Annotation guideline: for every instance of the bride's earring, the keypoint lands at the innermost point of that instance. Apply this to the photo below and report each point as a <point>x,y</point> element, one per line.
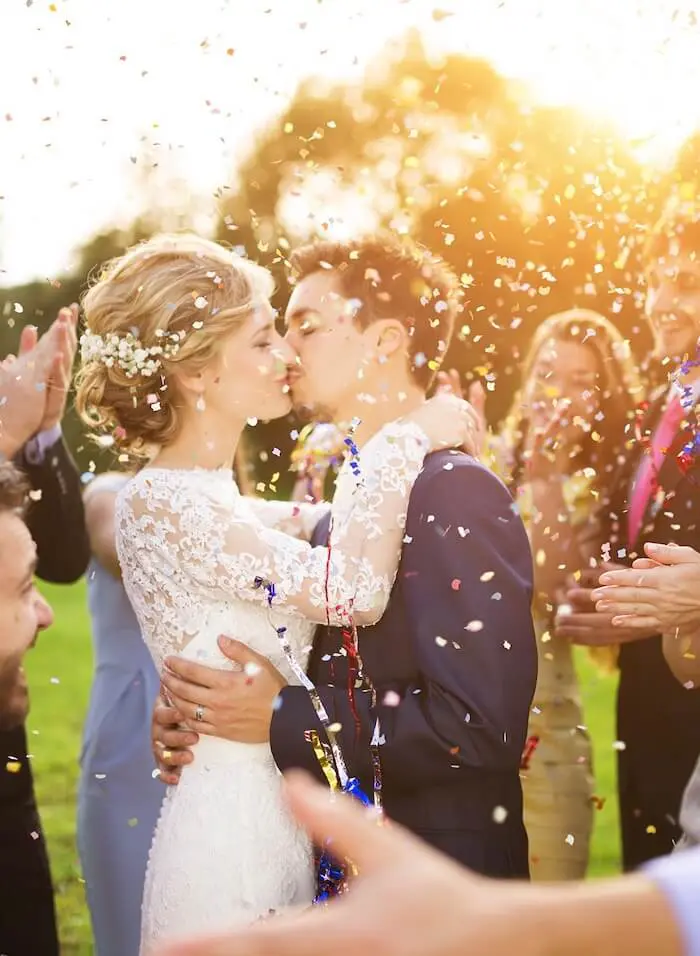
<point>200,404</point>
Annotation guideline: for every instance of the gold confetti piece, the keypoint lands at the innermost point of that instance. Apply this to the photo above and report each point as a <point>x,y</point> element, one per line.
<point>13,766</point>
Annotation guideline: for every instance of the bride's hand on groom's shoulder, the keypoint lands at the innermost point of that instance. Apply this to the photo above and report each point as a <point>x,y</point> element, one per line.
<point>448,422</point>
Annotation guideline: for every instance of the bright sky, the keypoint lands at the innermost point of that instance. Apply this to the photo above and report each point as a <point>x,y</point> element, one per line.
<point>87,85</point>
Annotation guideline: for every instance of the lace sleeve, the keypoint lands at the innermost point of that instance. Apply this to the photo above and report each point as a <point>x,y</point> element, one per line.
<point>167,519</point>
<point>295,518</point>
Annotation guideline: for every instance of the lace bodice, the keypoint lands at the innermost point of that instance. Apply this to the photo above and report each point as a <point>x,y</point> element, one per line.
<point>191,547</point>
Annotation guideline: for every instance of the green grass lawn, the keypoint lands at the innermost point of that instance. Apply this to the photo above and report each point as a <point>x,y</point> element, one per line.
<point>60,670</point>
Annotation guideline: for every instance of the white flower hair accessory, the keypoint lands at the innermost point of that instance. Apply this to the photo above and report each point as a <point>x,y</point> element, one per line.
<point>127,351</point>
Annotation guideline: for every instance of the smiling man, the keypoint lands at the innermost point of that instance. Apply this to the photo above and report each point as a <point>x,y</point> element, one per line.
<point>23,612</point>
<point>657,500</point>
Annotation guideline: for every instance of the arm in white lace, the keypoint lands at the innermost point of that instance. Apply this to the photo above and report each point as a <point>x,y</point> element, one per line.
<point>168,518</point>
<point>295,518</point>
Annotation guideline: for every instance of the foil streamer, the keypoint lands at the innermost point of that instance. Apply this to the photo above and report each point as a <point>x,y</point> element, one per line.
<point>332,876</point>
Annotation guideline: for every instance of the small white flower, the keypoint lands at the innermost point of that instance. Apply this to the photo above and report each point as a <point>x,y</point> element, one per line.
<point>127,352</point>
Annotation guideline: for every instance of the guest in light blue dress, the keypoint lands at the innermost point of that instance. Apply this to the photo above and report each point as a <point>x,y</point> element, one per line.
<point>119,800</point>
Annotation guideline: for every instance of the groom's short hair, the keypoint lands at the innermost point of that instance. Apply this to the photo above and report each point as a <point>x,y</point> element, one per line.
<point>392,278</point>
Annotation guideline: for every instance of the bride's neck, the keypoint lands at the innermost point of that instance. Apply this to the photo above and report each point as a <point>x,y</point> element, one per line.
<point>201,443</point>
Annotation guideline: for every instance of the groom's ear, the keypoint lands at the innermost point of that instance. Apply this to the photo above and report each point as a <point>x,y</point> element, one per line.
<point>390,337</point>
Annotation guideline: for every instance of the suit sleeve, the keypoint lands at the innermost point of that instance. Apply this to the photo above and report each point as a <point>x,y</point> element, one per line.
<point>467,591</point>
<point>56,517</point>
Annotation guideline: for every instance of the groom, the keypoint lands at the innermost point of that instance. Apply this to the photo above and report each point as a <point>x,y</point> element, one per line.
<point>453,660</point>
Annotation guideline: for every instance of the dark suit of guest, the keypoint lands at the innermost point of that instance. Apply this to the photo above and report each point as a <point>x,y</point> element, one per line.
<point>57,523</point>
<point>658,720</point>
<point>454,663</point>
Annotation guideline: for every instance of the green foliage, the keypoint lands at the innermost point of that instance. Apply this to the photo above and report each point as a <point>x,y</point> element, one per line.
<point>539,209</point>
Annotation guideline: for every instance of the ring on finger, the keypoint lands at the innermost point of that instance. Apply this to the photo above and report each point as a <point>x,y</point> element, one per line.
<point>199,712</point>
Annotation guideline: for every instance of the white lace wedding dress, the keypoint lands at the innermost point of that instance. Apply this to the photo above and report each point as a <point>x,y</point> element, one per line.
<point>225,851</point>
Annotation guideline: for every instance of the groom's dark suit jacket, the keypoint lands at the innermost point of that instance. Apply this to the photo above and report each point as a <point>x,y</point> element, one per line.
<point>456,647</point>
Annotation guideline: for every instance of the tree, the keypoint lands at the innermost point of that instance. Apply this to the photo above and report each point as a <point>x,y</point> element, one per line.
<point>538,209</point>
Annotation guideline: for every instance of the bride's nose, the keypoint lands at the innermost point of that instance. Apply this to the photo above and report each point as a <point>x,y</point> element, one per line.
<point>284,352</point>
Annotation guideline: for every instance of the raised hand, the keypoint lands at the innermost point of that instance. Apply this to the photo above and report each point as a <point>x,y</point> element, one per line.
<point>23,389</point>
<point>549,442</point>
<point>62,340</point>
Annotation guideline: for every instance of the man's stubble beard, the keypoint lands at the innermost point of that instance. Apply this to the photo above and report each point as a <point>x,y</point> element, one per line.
<point>14,697</point>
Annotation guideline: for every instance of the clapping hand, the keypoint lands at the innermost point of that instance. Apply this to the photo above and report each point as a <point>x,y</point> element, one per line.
<point>661,591</point>
<point>61,346</point>
<point>34,385</point>
<point>582,623</point>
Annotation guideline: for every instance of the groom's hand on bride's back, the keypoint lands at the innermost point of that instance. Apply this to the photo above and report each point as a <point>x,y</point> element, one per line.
<point>233,704</point>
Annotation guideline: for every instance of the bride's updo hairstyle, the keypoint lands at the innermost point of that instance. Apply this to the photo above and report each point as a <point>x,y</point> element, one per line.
<point>165,305</point>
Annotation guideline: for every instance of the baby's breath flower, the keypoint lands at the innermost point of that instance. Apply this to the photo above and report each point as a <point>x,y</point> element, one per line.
<point>127,352</point>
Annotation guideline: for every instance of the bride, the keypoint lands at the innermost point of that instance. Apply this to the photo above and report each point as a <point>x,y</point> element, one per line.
<point>180,351</point>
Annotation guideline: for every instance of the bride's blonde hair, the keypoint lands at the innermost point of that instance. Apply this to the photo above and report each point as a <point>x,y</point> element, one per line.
<point>165,304</point>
